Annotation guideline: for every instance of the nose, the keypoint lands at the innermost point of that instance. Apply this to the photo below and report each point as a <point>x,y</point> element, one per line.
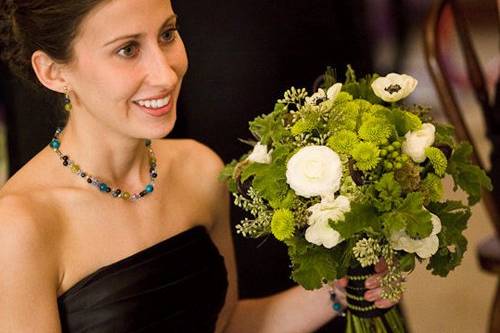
<point>160,67</point>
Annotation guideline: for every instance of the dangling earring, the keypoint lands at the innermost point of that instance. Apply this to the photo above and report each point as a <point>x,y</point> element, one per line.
<point>67,101</point>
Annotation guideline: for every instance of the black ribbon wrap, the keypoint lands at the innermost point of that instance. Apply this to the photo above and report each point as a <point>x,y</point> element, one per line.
<point>356,288</point>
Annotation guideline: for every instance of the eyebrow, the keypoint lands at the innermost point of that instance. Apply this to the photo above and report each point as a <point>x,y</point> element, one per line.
<point>135,36</point>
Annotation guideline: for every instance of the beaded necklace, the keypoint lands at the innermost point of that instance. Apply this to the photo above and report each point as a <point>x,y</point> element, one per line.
<point>101,186</point>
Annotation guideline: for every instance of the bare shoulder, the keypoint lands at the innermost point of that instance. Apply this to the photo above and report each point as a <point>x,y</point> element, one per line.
<point>28,256</point>
<point>195,160</point>
<point>196,170</point>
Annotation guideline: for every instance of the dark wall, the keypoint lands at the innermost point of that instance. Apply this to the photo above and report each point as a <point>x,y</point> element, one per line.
<point>243,56</point>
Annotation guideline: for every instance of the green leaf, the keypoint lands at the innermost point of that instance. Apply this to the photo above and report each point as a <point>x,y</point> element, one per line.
<point>387,193</point>
<point>407,262</point>
<point>269,128</point>
<point>314,264</point>
<point>226,176</point>
<point>444,135</point>
<point>362,217</point>
<point>270,179</point>
<point>452,244</point>
<point>411,214</point>
<point>467,176</point>
<point>405,121</point>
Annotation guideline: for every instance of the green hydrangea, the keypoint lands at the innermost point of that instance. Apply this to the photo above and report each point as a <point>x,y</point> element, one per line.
<point>343,141</point>
<point>282,224</point>
<point>438,160</point>
<point>375,130</point>
<point>366,155</point>
<point>431,188</point>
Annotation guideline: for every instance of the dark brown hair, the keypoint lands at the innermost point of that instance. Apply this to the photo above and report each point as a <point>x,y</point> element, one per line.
<point>46,25</point>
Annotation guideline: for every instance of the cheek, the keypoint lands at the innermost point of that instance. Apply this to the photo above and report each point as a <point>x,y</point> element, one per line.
<point>103,85</point>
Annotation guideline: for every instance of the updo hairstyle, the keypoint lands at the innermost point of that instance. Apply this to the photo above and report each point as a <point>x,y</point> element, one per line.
<point>46,25</point>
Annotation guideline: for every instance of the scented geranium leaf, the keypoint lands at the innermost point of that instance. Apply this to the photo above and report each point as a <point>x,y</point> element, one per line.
<point>269,128</point>
<point>270,179</point>
<point>407,262</point>
<point>467,176</point>
<point>444,135</point>
<point>312,264</point>
<point>387,193</point>
<point>452,244</point>
<point>412,214</point>
<point>405,121</point>
<point>226,176</point>
<point>361,217</point>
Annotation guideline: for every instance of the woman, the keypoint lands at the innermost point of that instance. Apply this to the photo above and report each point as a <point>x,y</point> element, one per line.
<point>104,231</point>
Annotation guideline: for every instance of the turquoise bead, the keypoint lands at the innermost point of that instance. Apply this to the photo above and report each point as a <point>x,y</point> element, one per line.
<point>337,306</point>
<point>103,187</point>
<point>55,144</point>
<point>149,188</point>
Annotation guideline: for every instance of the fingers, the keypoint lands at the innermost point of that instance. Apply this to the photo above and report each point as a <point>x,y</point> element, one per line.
<point>373,281</point>
<point>374,295</point>
<point>341,282</point>
<point>381,266</point>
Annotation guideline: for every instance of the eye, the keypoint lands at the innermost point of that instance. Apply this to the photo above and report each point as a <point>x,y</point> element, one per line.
<point>129,50</point>
<point>169,34</point>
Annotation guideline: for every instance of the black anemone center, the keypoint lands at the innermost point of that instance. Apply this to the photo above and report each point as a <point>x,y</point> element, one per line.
<point>393,88</point>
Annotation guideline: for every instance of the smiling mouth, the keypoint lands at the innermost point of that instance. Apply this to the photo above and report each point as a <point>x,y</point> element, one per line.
<point>154,103</point>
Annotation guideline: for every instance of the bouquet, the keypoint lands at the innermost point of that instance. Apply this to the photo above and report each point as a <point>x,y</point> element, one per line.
<point>350,175</point>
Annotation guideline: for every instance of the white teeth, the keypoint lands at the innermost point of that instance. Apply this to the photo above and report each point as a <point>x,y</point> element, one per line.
<point>154,103</point>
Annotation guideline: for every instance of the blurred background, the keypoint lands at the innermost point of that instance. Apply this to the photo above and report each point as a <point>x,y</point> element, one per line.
<point>243,55</point>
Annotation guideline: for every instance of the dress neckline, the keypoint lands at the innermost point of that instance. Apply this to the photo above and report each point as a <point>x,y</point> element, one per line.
<point>179,237</point>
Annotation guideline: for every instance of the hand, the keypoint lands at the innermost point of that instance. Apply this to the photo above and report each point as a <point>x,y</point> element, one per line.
<point>373,284</point>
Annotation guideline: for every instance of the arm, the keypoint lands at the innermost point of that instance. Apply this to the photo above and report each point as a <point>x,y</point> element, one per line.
<point>28,281</point>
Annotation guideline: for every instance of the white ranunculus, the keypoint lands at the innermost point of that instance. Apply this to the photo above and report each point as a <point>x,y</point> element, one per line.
<point>393,87</point>
<point>314,170</point>
<point>323,235</point>
<point>417,141</point>
<point>319,231</point>
<point>330,94</point>
<point>260,154</point>
<point>333,91</point>
<point>425,247</point>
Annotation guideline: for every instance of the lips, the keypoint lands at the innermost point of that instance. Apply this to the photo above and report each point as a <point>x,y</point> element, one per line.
<point>155,106</point>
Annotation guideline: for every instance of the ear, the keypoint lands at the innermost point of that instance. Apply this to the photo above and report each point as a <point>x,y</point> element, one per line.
<point>49,72</point>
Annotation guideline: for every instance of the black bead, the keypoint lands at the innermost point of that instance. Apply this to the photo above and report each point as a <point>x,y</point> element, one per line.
<point>65,162</point>
<point>118,191</point>
<point>108,189</point>
<point>89,180</point>
<point>83,175</point>
<point>152,169</point>
<point>114,194</point>
<point>65,157</point>
<point>154,175</point>
<point>143,193</point>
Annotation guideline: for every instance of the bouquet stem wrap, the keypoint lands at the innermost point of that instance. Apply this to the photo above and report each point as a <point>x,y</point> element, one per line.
<point>362,315</point>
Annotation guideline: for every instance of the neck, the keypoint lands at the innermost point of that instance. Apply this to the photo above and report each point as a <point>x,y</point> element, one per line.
<point>117,159</point>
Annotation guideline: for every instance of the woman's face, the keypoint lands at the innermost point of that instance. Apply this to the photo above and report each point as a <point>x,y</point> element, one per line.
<point>128,65</point>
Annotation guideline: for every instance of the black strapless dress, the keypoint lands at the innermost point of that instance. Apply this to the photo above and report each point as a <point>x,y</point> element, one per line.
<point>177,285</point>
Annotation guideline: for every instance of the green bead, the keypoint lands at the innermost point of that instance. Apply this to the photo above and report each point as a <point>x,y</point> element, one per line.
<point>384,142</point>
<point>383,152</point>
<point>388,165</point>
<point>398,165</point>
<point>390,148</point>
<point>394,154</point>
<point>404,158</point>
<point>68,107</point>
<point>396,144</point>
<point>75,168</point>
